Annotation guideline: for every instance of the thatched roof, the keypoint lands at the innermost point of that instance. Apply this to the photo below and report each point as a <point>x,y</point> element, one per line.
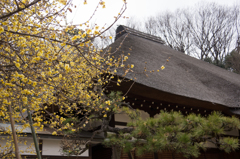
<point>183,75</point>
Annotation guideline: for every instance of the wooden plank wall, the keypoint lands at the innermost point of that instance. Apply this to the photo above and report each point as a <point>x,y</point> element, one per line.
<point>145,156</point>
<point>168,155</point>
<point>124,156</point>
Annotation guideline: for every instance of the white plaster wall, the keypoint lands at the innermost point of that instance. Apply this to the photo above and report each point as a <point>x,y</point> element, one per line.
<point>209,145</point>
<point>52,148</point>
<point>26,145</point>
<point>124,117</point>
<point>233,133</point>
<point>119,126</point>
<point>3,144</point>
<point>155,116</point>
<point>144,115</point>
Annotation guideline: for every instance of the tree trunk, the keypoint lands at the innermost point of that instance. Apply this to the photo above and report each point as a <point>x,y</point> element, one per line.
<point>116,152</point>
<point>17,154</point>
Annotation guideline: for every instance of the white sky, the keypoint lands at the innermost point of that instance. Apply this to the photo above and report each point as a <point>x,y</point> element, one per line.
<point>138,9</point>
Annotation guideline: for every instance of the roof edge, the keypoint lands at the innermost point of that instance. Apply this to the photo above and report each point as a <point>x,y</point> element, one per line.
<point>121,30</point>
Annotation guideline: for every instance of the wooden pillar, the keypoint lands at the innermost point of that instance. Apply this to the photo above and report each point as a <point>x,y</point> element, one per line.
<point>155,155</point>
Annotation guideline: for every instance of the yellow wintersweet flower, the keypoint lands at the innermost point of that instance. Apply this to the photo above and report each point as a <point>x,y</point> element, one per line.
<point>132,65</point>
<point>25,80</point>
<point>108,102</point>
<point>54,133</point>
<point>2,113</point>
<point>75,37</point>
<point>25,66</point>
<point>107,109</point>
<point>162,67</point>
<point>89,31</point>
<point>105,115</point>
<point>67,68</point>
<point>1,29</point>
<point>25,100</point>
<point>72,63</point>
<point>17,64</point>
<point>97,27</point>
<point>34,84</point>
<point>64,2</point>
<point>102,3</point>
<point>43,74</point>
<point>96,32</point>
<point>24,110</point>
<point>84,35</point>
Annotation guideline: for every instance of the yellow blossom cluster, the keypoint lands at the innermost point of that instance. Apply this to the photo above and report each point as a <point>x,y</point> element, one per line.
<point>48,68</point>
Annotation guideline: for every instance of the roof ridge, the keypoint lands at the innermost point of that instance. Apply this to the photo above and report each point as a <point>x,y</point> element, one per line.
<point>121,29</point>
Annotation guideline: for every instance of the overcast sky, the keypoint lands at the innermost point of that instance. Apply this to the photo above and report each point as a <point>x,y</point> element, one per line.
<point>143,8</point>
<point>139,9</point>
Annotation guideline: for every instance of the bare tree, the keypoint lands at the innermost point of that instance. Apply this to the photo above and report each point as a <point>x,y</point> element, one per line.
<point>212,28</point>
<point>132,22</point>
<point>150,26</point>
<point>172,28</point>
<point>207,31</point>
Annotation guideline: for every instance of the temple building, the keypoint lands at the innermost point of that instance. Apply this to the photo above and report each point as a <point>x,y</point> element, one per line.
<point>165,79</point>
